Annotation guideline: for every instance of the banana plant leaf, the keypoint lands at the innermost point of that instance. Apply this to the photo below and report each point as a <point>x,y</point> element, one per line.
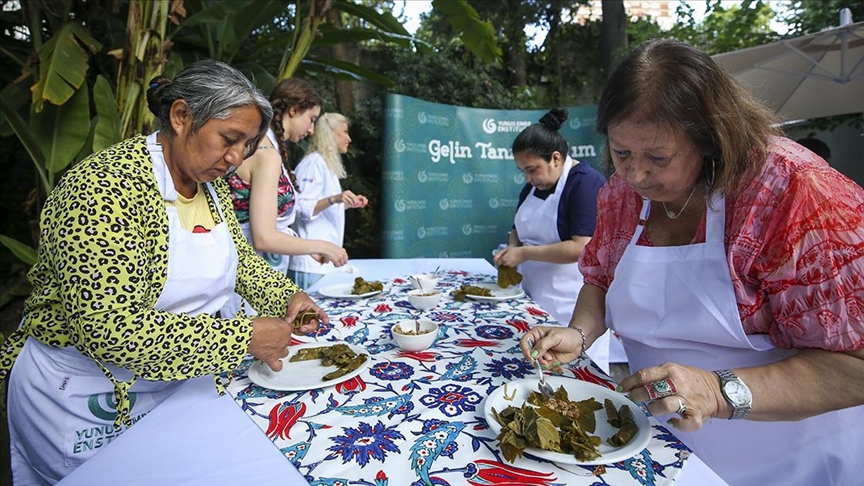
<point>23,252</point>
<point>344,70</point>
<point>61,131</point>
<point>331,36</point>
<point>63,65</point>
<point>383,20</point>
<point>233,21</point>
<point>107,129</point>
<point>477,35</point>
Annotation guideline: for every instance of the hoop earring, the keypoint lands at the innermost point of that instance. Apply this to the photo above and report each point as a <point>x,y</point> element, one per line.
<point>710,180</point>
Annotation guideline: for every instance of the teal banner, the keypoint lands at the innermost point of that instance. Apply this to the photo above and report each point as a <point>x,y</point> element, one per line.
<point>450,184</point>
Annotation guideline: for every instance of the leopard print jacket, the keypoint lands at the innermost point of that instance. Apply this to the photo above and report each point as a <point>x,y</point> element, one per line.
<point>102,265</point>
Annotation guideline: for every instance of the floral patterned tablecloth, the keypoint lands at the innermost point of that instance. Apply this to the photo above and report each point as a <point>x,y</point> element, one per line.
<point>417,417</point>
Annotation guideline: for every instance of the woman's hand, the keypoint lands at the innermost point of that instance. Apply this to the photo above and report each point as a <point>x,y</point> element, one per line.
<point>552,346</point>
<point>334,253</point>
<point>697,390</point>
<point>270,339</point>
<point>510,256</point>
<point>330,253</point>
<point>300,303</point>
<point>352,200</point>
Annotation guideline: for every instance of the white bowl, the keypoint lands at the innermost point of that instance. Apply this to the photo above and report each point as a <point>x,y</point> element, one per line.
<point>424,300</point>
<point>425,281</point>
<point>415,342</point>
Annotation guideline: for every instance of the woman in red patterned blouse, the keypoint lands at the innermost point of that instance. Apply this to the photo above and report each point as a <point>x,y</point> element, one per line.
<point>722,246</point>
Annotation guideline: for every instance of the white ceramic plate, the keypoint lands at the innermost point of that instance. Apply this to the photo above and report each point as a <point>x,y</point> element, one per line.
<point>302,375</point>
<point>343,291</point>
<point>576,390</point>
<point>498,294</point>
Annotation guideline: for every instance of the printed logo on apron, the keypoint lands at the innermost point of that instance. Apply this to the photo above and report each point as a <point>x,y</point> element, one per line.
<point>189,287</point>
<point>107,409</point>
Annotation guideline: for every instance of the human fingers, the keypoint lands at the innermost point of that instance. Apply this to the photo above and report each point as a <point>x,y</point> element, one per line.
<point>340,256</point>
<point>551,345</point>
<point>505,257</point>
<point>322,318</point>
<point>674,389</point>
<point>635,384</point>
<point>684,416</point>
<point>689,419</point>
<point>297,304</point>
<point>363,201</point>
<point>275,362</point>
<point>349,198</point>
<point>496,258</point>
<point>313,324</point>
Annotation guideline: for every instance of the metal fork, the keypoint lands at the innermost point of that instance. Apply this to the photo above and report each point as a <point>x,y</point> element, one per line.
<point>544,387</point>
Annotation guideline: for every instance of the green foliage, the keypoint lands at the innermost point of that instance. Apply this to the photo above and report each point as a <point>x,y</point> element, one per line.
<point>809,16</point>
<point>63,64</point>
<point>477,34</point>
<point>107,129</point>
<point>444,76</point>
<point>20,250</point>
<point>725,29</point>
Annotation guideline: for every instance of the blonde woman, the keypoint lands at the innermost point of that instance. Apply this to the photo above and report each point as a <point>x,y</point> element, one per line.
<point>322,203</point>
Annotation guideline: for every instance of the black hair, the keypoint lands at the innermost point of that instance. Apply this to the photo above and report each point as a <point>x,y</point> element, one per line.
<point>543,138</point>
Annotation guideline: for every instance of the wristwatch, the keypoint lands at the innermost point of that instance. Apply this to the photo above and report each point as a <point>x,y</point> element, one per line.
<point>736,393</point>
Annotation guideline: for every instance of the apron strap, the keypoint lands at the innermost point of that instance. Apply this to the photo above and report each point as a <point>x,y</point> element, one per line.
<point>643,218</point>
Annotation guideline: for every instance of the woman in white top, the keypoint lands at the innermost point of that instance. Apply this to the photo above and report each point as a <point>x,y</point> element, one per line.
<point>263,193</point>
<point>321,203</point>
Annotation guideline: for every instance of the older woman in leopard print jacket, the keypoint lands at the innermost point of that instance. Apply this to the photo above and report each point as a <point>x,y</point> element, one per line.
<point>139,249</point>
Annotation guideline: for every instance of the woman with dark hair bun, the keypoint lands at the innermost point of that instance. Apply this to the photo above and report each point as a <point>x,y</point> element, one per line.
<point>554,220</point>
<point>730,260</point>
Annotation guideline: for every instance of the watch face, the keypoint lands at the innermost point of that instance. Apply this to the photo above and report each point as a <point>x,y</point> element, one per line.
<point>737,393</point>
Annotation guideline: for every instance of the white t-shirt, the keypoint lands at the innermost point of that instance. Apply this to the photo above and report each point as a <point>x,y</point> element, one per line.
<point>316,182</point>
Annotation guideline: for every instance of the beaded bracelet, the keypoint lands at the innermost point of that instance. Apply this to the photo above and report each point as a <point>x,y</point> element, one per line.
<point>329,201</point>
<point>584,342</point>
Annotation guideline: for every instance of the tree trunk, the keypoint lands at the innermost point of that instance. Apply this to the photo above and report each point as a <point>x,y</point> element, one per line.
<point>614,33</point>
<point>142,59</point>
<point>514,30</point>
<point>552,44</point>
<point>344,89</point>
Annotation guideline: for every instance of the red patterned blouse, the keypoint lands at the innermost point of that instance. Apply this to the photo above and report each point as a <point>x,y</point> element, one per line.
<point>794,242</point>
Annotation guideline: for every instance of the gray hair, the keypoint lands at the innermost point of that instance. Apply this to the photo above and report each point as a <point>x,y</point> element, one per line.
<point>211,89</point>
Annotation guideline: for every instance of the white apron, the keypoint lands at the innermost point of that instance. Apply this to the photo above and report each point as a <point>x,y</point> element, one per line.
<point>677,304</point>
<point>61,405</point>
<point>554,286</point>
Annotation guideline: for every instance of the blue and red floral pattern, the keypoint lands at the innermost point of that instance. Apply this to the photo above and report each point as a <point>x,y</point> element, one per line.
<point>416,418</point>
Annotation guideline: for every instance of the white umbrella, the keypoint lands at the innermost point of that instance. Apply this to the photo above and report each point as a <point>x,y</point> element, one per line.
<point>810,76</point>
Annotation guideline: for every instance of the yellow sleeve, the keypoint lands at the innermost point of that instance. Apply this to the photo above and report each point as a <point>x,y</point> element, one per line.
<point>104,243</point>
<point>265,288</point>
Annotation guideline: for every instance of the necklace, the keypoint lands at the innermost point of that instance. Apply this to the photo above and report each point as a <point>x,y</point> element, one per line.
<point>671,214</point>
